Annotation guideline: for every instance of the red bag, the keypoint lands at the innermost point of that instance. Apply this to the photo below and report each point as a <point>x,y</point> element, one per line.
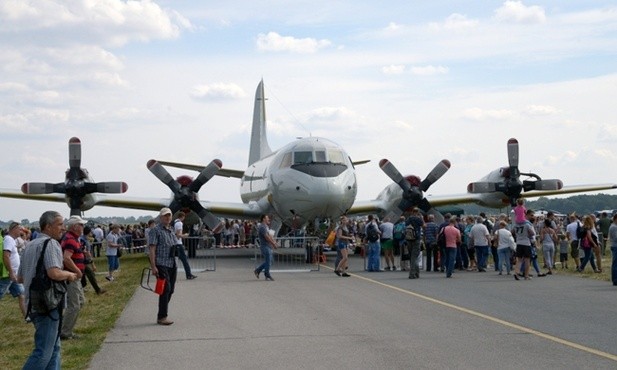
<point>160,286</point>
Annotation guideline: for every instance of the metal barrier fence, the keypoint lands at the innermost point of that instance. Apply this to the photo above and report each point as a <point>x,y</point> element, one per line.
<point>295,254</point>
<point>200,251</point>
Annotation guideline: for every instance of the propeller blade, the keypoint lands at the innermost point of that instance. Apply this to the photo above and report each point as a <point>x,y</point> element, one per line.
<point>209,219</point>
<point>75,153</point>
<point>388,168</point>
<point>206,175</point>
<point>37,188</point>
<point>481,187</point>
<point>111,187</point>
<point>513,153</point>
<point>161,173</point>
<point>550,184</point>
<point>439,170</point>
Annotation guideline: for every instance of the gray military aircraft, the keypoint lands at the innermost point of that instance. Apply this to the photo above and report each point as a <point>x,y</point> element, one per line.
<point>310,178</point>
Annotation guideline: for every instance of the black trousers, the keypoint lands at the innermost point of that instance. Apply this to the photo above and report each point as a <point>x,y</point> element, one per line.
<point>169,274</point>
<point>89,273</point>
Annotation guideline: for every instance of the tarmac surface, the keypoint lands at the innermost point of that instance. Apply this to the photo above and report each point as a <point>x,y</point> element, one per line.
<point>227,319</point>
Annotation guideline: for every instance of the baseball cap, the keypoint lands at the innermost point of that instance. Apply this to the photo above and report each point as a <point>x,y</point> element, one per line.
<point>165,211</point>
<point>76,220</point>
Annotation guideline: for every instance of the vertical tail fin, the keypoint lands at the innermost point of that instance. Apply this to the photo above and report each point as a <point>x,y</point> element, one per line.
<point>259,141</point>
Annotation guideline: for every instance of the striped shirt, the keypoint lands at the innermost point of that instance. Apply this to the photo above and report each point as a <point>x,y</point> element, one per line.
<point>165,241</point>
<point>71,242</point>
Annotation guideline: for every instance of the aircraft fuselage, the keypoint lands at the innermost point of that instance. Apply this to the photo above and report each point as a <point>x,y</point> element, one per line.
<point>307,179</point>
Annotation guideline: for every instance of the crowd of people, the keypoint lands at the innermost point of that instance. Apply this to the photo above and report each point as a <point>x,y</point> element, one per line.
<point>509,246</point>
<point>66,251</point>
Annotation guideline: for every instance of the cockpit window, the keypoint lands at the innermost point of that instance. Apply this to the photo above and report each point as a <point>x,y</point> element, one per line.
<point>286,162</point>
<point>336,156</point>
<point>303,157</point>
<point>320,156</point>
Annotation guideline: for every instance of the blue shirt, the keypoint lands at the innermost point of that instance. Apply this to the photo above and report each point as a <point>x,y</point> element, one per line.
<point>431,232</point>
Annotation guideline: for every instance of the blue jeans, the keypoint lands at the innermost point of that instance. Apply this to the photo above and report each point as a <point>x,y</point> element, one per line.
<point>482,255</point>
<point>266,253</point>
<point>504,259</point>
<point>588,258</point>
<point>374,258</point>
<point>185,262</point>
<point>614,265</point>
<point>450,259</point>
<point>46,352</point>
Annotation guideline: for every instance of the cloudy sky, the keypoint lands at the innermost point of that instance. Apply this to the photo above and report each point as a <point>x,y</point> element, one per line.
<point>412,81</point>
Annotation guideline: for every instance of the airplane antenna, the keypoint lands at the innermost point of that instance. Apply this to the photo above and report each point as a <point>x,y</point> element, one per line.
<point>287,110</point>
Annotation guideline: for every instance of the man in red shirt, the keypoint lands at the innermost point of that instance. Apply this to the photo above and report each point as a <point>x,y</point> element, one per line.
<point>453,240</point>
<point>74,261</point>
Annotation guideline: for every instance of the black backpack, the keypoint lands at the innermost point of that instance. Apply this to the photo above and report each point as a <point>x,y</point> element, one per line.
<point>371,233</point>
<point>441,237</point>
<point>580,231</point>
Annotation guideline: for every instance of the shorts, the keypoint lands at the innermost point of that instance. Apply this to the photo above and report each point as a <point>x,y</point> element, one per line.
<point>471,252</point>
<point>113,263</point>
<point>6,285</point>
<point>386,244</point>
<point>563,256</point>
<point>523,251</point>
<point>574,248</point>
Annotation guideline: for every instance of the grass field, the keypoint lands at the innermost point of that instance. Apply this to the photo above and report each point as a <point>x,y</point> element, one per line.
<point>96,318</point>
<point>101,312</point>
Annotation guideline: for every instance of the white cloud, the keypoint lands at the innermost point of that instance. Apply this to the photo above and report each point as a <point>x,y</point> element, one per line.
<point>217,91</point>
<point>459,21</point>
<point>517,12</point>
<point>393,69</point>
<point>540,110</point>
<point>455,22</point>
<point>478,114</point>
<point>275,42</point>
<point>113,22</point>
<point>429,70</point>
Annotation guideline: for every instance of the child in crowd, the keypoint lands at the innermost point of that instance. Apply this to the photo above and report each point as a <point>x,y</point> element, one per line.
<point>519,211</point>
<point>563,251</point>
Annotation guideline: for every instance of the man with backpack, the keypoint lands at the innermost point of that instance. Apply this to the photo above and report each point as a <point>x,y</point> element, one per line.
<point>414,243</point>
<point>398,240</point>
<point>46,352</point>
<point>373,234</point>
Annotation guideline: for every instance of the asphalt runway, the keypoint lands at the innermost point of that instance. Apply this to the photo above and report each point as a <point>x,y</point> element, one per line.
<point>227,319</point>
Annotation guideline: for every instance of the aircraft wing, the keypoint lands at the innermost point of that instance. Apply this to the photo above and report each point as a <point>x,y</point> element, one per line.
<point>225,172</point>
<point>17,194</point>
<point>383,205</point>
<point>569,190</point>
<point>219,209</point>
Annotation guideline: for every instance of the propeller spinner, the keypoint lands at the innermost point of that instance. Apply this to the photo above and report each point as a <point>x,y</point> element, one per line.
<point>76,185</point>
<point>413,190</point>
<point>185,193</point>
<point>512,186</point>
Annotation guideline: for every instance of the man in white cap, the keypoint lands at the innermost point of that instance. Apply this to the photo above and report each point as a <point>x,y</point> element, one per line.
<point>162,245</point>
<point>74,261</point>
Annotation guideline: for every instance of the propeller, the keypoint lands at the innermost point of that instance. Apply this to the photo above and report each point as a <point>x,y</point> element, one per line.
<point>512,186</point>
<point>413,188</point>
<point>76,185</point>
<point>185,191</point>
